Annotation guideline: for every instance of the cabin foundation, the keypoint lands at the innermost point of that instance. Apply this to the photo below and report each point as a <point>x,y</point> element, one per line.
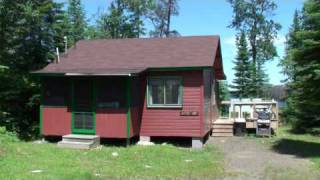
<point>145,138</point>
<point>197,142</point>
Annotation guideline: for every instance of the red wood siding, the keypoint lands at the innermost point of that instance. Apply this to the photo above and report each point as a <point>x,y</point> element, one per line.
<point>136,106</point>
<point>135,121</point>
<point>168,121</point>
<point>56,121</point>
<point>111,123</point>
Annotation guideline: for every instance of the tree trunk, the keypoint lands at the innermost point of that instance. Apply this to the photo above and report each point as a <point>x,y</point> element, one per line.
<point>168,18</point>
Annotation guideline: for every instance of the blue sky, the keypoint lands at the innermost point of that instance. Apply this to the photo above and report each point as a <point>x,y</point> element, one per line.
<point>211,17</point>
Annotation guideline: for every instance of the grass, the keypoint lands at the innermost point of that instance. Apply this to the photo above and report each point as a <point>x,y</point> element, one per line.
<point>300,145</point>
<point>18,159</point>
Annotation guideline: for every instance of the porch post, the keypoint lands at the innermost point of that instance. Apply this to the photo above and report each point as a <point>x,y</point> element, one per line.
<point>128,105</point>
<point>41,109</point>
<point>72,104</point>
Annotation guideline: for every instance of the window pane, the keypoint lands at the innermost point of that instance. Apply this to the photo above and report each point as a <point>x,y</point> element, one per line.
<point>172,91</point>
<point>156,92</point>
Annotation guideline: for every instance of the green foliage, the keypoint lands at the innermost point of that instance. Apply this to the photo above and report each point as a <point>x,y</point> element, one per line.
<point>242,68</point>
<point>302,66</point>
<point>117,24</point>
<point>76,18</point>
<point>253,17</point>
<point>124,19</point>
<point>292,41</point>
<point>224,94</point>
<point>6,136</point>
<point>30,31</point>
<point>160,16</point>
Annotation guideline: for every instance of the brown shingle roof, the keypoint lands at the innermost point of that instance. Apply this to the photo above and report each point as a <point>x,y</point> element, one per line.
<point>116,56</point>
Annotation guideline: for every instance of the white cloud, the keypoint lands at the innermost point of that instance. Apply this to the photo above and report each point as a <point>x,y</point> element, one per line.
<point>231,41</point>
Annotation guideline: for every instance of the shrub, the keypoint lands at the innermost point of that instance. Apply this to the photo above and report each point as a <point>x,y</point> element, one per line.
<point>6,136</point>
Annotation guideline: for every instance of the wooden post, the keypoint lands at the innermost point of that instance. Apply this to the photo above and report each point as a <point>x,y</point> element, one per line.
<point>234,110</point>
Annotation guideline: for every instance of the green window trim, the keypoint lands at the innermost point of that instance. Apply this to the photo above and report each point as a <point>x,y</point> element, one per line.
<point>41,109</point>
<point>93,108</point>
<point>164,105</point>
<point>41,120</point>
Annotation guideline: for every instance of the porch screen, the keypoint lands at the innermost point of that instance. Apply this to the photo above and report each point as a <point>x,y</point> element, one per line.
<point>83,107</point>
<point>83,120</point>
<point>207,85</point>
<point>164,91</point>
<point>111,93</point>
<point>55,92</point>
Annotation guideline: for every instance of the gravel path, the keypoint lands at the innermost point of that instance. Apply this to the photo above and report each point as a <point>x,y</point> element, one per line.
<point>247,159</point>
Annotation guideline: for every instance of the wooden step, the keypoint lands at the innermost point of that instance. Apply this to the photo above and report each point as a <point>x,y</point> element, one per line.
<point>223,122</point>
<point>80,138</point>
<point>223,126</point>
<point>79,141</point>
<point>221,134</point>
<point>222,130</point>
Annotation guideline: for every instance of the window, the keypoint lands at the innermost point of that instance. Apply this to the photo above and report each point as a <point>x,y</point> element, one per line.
<point>111,93</point>
<point>55,92</point>
<point>164,92</point>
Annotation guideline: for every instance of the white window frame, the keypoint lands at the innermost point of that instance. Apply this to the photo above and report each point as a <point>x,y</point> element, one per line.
<point>164,105</point>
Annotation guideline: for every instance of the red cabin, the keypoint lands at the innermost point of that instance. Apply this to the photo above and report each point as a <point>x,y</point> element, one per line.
<point>157,87</point>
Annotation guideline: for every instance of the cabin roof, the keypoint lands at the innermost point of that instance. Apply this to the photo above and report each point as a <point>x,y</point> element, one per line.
<point>127,56</point>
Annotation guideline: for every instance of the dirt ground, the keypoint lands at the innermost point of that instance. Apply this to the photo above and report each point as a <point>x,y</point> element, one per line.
<point>247,159</point>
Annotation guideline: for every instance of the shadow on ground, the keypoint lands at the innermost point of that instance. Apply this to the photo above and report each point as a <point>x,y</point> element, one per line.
<point>298,148</point>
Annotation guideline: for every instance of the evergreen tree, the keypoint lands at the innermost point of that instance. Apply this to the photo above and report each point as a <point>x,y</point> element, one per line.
<point>116,23</point>
<point>124,19</point>
<point>253,18</point>
<point>138,11</point>
<point>261,80</point>
<point>242,68</point>
<point>224,94</point>
<point>77,21</point>
<point>303,62</point>
<point>292,42</point>
<point>160,17</point>
<point>28,34</point>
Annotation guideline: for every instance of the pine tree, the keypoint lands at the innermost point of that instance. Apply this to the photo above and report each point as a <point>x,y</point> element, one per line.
<point>138,10</point>
<point>29,34</point>
<point>77,21</point>
<point>253,17</point>
<point>224,94</point>
<point>261,80</point>
<point>292,41</point>
<point>124,19</point>
<point>303,62</point>
<point>160,17</point>
<point>242,68</point>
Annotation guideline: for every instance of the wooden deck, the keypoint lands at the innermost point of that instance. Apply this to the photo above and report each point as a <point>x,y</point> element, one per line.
<point>252,123</point>
<point>224,127</point>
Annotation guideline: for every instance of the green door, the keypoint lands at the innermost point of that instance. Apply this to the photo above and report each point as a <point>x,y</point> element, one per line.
<point>83,107</point>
